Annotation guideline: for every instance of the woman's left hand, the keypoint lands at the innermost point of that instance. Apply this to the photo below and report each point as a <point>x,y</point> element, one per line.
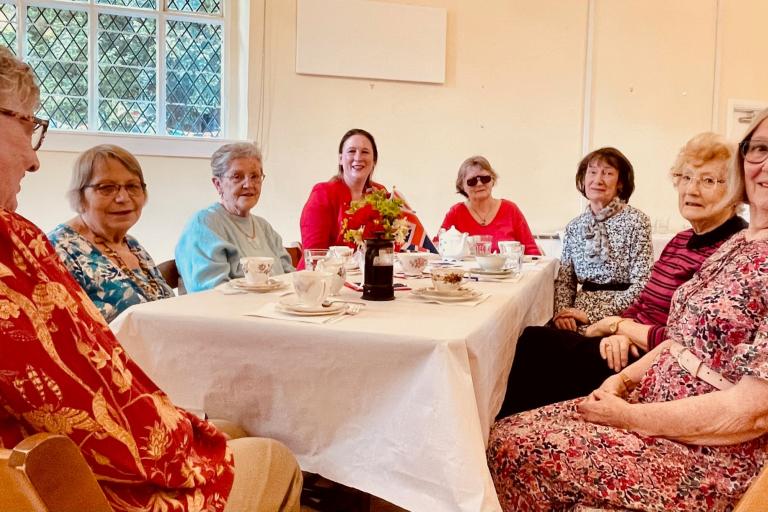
<point>604,408</point>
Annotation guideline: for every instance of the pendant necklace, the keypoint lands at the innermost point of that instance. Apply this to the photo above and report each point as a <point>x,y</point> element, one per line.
<point>483,218</point>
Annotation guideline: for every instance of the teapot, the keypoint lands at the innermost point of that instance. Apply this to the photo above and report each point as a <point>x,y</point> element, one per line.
<point>452,244</point>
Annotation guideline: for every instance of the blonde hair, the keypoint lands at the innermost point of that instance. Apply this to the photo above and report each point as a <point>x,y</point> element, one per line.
<point>702,149</point>
<point>17,81</point>
<point>737,192</point>
<point>473,161</point>
<point>82,171</point>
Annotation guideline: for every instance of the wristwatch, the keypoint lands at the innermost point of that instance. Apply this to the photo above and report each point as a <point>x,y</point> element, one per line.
<point>614,326</point>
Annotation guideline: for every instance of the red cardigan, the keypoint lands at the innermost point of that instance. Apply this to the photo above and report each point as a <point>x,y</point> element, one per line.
<point>508,224</point>
<point>323,213</point>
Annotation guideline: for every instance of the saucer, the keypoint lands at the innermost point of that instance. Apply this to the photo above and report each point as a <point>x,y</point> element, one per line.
<point>241,284</point>
<point>483,272</point>
<point>462,294</point>
<point>290,304</point>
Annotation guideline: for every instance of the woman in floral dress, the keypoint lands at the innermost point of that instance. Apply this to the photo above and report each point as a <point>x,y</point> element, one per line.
<point>656,437</point>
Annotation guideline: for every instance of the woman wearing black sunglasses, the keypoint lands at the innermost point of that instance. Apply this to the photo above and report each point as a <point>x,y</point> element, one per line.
<point>483,214</point>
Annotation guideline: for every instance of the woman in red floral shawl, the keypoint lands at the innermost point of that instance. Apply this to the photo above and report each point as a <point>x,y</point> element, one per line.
<point>62,370</point>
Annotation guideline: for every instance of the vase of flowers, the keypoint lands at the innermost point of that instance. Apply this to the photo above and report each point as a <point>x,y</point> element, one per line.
<point>376,225</point>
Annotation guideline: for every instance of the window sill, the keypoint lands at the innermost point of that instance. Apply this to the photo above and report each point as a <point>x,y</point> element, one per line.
<point>142,145</point>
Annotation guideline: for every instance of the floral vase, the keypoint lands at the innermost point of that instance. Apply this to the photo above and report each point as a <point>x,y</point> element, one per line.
<point>377,277</point>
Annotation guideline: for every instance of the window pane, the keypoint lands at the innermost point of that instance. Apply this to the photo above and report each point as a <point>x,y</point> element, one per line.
<point>193,80</point>
<point>141,4</point>
<point>57,50</point>
<point>127,77</point>
<point>8,26</point>
<point>206,6</point>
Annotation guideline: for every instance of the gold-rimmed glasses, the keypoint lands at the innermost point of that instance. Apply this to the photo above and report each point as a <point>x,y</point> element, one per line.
<point>238,178</point>
<point>705,182</point>
<point>40,126</point>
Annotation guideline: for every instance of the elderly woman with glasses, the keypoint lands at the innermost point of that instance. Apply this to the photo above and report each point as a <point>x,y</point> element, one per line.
<point>108,192</point>
<point>63,370</point>
<point>582,361</point>
<point>214,240</point>
<point>607,251</point>
<point>483,214</point>
<point>686,426</point>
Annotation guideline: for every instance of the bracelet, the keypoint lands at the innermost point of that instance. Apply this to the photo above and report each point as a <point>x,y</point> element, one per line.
<point>629,384</point>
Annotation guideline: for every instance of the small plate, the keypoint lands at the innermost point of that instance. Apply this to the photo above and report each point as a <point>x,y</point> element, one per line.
<point>241,284</point>
<point>290,305</point>
<point>462,294</point>
<point>500,272</point>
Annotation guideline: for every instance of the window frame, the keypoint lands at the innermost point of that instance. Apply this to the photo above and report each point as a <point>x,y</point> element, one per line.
<point>141,144</point>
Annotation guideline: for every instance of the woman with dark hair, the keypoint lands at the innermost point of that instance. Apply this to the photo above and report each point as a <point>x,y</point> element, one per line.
<point>483,214</point>
<point>607,252</point>
<point>325,208</point>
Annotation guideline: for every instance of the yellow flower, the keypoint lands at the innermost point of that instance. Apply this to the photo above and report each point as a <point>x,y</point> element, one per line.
<point>8,309</point>
<point>157,443</point>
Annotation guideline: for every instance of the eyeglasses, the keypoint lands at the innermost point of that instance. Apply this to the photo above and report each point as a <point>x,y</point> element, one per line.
<point>754,151</point>
<point>705,182</point>
<point>39,129</point>
<point>112,189</point>
<point>237,178</point>
<point>471,182</point>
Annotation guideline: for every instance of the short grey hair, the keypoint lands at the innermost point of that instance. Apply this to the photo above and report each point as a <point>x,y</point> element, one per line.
<point>17,81</point>
<point>223,157</point>
<point>82,171</point>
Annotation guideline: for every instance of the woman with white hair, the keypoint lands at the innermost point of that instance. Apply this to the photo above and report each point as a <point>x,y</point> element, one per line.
<point>214,240</point>
<point>108,192</point>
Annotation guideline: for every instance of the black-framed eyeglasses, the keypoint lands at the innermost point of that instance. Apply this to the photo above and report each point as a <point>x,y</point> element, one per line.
<point>471,182</point>
<point>112,189</point>
<point>705,182</point>
<point>754,151</point>
<point>40,126</point>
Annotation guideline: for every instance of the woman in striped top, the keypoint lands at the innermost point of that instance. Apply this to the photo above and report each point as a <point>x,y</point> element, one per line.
<point>552,365</point>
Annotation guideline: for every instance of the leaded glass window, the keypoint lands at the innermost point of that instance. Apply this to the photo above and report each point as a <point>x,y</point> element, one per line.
<point>8,25</point>
<point>125,66</point>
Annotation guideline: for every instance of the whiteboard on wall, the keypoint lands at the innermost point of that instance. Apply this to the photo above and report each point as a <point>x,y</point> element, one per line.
<point>367,39</point>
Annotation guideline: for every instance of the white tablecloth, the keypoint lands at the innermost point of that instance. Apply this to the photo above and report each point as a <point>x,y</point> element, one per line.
<point>396,401</point>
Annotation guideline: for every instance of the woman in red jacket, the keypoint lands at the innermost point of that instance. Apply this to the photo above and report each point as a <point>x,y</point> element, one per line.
<point>323,212</point>
<point>483,214</point>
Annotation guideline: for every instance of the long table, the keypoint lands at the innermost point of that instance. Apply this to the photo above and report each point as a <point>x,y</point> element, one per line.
<point>396,401</point>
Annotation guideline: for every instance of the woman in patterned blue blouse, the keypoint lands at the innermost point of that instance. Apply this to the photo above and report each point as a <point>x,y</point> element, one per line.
<point>108,192</point>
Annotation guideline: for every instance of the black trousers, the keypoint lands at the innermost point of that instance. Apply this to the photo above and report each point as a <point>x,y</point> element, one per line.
<point>552,365</point>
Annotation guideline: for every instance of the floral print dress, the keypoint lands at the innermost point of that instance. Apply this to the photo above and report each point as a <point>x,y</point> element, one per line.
<point>111,288</point>
<point>548,459</point>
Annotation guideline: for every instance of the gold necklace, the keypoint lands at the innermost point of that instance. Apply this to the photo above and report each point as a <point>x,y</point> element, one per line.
<point>151,289</point>
<point>483,218</point>
<point>252,236</point>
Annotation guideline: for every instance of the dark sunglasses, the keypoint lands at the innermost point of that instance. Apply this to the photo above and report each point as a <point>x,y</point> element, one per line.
<point>483,179</point>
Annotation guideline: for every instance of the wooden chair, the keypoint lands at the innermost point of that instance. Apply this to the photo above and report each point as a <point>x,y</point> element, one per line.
<point>171,275</point>
<point>296,251</point>
<point>47,473</point>
<point>756,497</point>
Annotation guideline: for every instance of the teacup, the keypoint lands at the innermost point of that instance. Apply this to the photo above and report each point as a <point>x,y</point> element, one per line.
<point>312,286</point>
<point>413,263</point>
<point>491,262</point>
<point>447,279</point>
<point>256,269</point>
<point>335,266</point>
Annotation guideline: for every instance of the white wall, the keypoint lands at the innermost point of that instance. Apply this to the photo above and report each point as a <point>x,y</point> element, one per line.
<point>514,92</point>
